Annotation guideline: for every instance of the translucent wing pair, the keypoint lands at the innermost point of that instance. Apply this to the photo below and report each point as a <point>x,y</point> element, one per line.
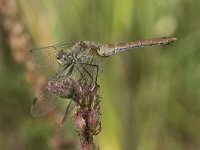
<point>45,60</point>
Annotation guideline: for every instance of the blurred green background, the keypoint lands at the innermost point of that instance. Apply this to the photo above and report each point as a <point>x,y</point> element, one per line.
<point>151,96</point>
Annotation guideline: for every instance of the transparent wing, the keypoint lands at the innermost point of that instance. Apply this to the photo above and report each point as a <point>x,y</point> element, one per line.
<point>98,60</point>
<point>45,58</point>
<point>55,91</point>
<point>47,98</point>
<point>44,102</point>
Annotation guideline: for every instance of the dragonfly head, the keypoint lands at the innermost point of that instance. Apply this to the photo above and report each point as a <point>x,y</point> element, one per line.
<point>62,57</point>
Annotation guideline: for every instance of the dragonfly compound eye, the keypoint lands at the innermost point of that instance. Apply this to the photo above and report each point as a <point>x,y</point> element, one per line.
<point>62,56</point>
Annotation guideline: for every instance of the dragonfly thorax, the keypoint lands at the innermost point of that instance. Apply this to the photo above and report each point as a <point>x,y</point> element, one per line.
<point>65,58</point>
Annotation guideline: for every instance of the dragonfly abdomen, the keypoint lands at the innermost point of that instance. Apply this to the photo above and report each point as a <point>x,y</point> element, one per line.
<point>111,49</point>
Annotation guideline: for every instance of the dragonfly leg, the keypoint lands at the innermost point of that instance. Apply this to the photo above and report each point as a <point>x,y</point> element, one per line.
<point>70,71</point>
<point>67,112</point>
<point>87,72</point>
<point>62,70</point>
<point>97,69</point>
<point>81,73</point>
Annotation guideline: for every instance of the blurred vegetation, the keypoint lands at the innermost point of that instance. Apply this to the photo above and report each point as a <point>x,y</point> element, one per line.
<point>150,95</point>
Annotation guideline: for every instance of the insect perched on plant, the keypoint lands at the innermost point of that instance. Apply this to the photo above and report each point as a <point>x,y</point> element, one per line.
<point>75,62</point>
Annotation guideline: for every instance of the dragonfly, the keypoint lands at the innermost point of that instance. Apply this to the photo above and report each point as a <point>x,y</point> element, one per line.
<point>74,62</point>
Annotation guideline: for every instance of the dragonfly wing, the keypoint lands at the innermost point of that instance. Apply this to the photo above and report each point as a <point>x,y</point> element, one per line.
<point>44,102</point>
<point>45,58</point>
<point>49,96</point>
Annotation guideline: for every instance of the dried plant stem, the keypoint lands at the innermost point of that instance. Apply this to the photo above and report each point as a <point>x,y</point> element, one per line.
<point>19,39</point>
<point>87,116</point>
<point>20,43</point>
